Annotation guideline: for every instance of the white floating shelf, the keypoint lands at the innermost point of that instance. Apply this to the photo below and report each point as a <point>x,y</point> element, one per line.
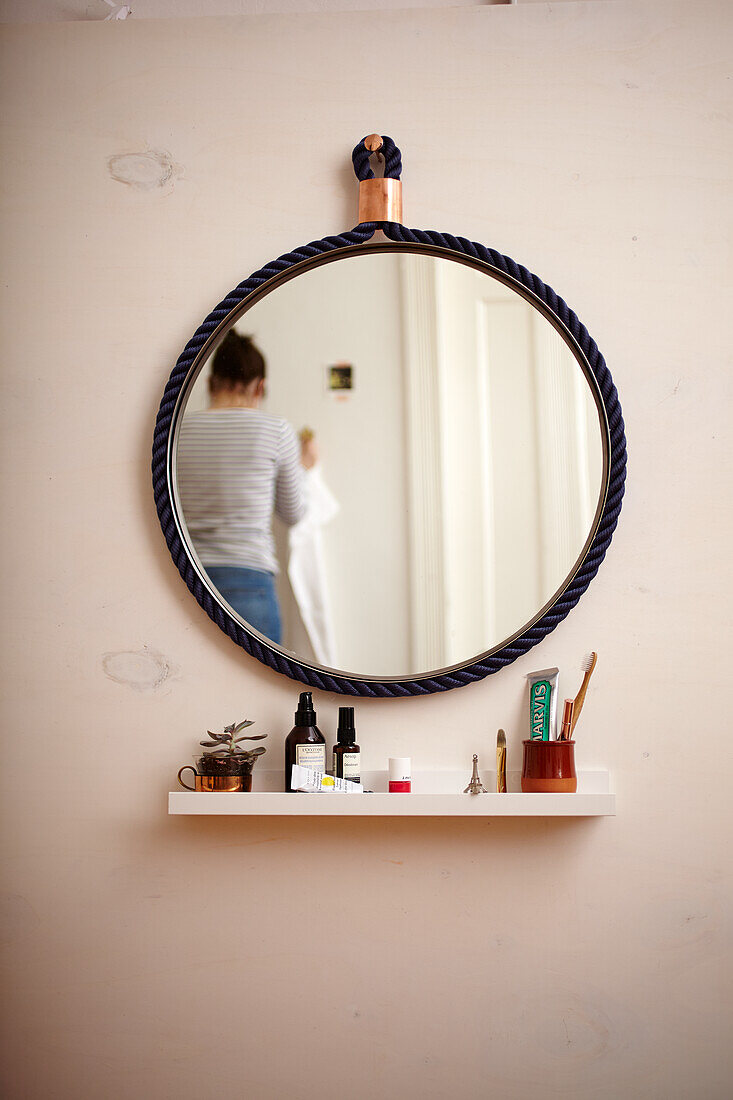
<point>434,794</point>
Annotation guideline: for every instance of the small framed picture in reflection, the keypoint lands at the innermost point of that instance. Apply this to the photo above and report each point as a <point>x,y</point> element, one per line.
<point>340,378</point>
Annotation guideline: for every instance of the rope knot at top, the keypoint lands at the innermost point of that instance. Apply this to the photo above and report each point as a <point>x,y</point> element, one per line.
<point>385,149</point>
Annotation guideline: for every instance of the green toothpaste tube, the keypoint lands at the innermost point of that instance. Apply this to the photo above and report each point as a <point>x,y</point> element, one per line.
<point>543,704</point>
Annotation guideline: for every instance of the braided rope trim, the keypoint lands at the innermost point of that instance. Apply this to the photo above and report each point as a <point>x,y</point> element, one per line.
<point>471,672</point>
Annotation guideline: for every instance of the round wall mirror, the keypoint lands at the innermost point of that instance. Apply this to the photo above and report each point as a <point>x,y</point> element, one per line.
<point>385,465</point>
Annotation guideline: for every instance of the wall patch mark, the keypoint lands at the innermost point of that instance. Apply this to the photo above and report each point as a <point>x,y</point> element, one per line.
<point>153,170</point>
<point>143,670</point>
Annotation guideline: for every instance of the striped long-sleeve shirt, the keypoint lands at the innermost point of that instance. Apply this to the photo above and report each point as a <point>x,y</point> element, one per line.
<point>234,468</point>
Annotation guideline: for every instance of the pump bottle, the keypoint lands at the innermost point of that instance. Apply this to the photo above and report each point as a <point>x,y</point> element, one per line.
<point>346,752</point>
<point>305,744</point>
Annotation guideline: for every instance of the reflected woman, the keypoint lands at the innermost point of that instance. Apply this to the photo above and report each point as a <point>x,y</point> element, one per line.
<point>236,466</point>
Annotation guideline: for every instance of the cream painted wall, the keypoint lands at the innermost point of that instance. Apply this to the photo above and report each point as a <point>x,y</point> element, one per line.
<point>157,957</point>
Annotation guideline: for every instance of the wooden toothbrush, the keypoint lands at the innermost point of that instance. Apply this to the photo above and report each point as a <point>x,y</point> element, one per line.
<point>589,663</point>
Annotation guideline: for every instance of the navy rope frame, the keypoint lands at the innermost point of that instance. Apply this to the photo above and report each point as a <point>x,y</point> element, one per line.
<point>161,467</point>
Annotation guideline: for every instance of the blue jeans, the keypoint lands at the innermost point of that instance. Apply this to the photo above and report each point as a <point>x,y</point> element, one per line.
<point>251,592</point>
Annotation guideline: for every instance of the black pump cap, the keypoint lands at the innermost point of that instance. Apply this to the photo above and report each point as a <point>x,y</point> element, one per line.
<point>346,725</point>
<point>305,715</point>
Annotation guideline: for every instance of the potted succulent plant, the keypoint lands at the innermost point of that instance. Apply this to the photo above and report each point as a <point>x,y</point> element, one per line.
<point>227,767</point>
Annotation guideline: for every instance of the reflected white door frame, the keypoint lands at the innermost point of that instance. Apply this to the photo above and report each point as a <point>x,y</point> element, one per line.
<point>424,465</point>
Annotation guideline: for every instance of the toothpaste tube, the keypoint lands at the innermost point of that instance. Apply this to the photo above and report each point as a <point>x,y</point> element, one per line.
<point>543,705</point>
<point>313,781</point>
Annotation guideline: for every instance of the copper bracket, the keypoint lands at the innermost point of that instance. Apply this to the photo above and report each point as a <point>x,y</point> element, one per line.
<point>380,200</point>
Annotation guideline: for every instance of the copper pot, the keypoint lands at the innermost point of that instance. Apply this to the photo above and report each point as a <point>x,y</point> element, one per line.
<point>242,781</point>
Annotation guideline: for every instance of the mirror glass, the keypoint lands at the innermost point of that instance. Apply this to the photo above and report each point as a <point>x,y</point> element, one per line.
<point>414,480</point>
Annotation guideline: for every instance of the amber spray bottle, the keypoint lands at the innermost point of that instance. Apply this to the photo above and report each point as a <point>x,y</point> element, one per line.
<point>346,752</point>
<point>305,744</point>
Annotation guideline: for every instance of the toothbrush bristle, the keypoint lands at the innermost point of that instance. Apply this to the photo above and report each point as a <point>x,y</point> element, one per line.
<point>588,661</point>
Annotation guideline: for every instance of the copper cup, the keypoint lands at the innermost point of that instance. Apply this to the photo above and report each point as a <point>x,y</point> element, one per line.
<point>549,767</point>
<point>216,782</point>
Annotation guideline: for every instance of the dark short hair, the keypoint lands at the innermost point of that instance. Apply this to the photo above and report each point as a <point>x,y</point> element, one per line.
<point>237,362</point>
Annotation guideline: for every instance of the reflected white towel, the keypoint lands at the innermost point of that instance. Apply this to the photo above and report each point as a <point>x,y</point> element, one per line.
<point>307,570</point>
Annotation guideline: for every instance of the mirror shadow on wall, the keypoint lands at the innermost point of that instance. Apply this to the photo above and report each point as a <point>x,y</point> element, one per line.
<point>405,450</point>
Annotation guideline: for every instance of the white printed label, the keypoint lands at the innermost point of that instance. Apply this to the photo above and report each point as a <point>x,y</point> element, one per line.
<point>350,761</point>
<point>311,756</point>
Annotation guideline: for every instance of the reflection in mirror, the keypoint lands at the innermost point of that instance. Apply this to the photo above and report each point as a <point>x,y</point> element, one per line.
<point>398,471</point>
